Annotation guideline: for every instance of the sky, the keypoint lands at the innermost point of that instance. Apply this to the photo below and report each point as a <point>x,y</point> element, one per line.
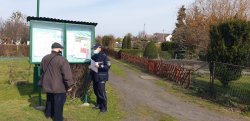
<point>116,17</point>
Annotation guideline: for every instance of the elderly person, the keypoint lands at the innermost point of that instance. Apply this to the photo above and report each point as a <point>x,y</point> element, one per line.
<point>56,80</point>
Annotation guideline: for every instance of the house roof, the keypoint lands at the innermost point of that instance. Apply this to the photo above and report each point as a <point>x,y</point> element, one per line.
<point>161,34</point>
<point>60,20</point>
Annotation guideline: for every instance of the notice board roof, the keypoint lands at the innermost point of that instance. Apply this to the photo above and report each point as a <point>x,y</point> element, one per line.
<point>60,20</point>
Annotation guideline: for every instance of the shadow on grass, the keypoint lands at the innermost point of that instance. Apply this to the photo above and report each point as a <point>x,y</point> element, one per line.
<point>26,89</point>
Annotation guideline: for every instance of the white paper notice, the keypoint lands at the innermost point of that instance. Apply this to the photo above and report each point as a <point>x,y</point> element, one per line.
<point>93,66</point>
<point>42,41</point>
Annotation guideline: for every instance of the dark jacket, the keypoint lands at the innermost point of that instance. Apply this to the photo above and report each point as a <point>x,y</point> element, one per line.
<point>102,74</point>
<point>56,75</point>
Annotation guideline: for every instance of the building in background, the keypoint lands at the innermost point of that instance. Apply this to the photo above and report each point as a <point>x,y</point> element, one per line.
<point>162,37</point>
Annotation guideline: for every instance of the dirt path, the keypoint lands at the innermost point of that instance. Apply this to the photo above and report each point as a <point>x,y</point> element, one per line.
<point>144,100</point>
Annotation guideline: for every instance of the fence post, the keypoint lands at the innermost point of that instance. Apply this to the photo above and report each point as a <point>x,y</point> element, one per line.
<point>189,79</point>
<point>212,91</point>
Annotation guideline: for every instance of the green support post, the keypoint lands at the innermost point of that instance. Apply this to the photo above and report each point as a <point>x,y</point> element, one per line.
<point>37,88</point>
<point>86,80</point>
<point>36,77</point>
<point>38,8</point>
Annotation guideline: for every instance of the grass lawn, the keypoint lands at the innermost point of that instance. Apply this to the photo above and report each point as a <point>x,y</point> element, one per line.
<point>236,95</point>
<point>17,101</point>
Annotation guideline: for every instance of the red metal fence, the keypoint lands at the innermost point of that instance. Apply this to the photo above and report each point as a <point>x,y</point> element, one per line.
<point>172,72</point>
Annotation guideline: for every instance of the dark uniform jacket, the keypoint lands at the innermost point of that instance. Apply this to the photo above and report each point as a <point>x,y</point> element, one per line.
<point>56,75</point>
<point>102,74</point>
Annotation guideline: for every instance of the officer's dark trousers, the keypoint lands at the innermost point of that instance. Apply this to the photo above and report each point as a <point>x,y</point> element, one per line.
<point>95,87</point>
<point>54,106</point>
<point>100,92</point>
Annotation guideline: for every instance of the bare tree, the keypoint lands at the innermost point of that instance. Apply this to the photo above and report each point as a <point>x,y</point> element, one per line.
<point>204,13</point>
<point>15,29</point>
<point>99,39</point>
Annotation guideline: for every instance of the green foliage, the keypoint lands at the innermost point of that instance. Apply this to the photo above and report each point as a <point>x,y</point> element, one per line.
<point>170,47</point>
<point>136,52</point>
<point>202,56</point>
<point>137,44</point>
<point>129,38</point>
<point>167,46</point>
<point>165,55</point>
<point>124,43</point>
<point>227,73</point>
<point>150,51</point>
<point>230,43</point>
<point>180,35</point>
<point>108,41</point>
<point>181,16</point>
<point>180,54</point>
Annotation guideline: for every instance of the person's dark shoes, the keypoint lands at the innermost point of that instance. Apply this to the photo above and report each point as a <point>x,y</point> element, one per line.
<point>103,111</point>
<point>47,116</point>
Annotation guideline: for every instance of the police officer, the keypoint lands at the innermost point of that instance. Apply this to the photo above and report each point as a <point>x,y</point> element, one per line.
<point>100,77</point>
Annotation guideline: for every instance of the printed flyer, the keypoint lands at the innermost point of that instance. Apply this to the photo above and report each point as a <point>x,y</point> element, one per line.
<point>78,46</point>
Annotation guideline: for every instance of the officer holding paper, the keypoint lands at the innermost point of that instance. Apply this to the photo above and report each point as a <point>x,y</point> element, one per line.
<point>100,77</point>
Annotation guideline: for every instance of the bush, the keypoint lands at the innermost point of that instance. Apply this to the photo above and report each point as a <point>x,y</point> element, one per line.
<point>108,41</point>
<point>14,50</point>
<point>180,54</point>
<point>176,50</point>
<point>137,44</point>
<point>129,45</point>
<point>202,56</point>
<point>230,43</point>
<point>168,46</point>
<point>136,52</point>
<point>227,73</point>
<point>124,43</point>
<point>150,51</point>
<point>165,55</point>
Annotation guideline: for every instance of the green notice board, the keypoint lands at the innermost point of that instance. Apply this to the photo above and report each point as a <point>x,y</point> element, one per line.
<point>77,39</point>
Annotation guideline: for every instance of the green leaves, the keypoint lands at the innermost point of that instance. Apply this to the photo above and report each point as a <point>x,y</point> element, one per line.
<point>230,43</point>
<point>150,51</point>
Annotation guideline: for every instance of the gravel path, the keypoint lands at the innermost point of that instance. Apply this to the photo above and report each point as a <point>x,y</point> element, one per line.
<point>137,92</point>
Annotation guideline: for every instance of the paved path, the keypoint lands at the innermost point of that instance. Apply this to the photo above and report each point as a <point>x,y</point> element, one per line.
<point>136,91</point>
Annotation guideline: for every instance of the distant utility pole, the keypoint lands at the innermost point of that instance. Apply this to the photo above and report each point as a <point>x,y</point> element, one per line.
<point>163,35</point>
<point>37,8</point>
<point>144,32</point>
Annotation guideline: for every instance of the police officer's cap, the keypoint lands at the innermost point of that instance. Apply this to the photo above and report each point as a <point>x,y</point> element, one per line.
<point>96,46</point>
<point>56,45</point>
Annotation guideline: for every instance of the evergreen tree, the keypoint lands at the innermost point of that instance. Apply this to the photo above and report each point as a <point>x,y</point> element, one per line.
<point>179,34</point>
<point>129,38</point>
<point>230,43</point>
<point>124,43</point>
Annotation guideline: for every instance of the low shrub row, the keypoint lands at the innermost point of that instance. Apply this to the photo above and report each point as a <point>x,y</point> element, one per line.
<point>14,50</point>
